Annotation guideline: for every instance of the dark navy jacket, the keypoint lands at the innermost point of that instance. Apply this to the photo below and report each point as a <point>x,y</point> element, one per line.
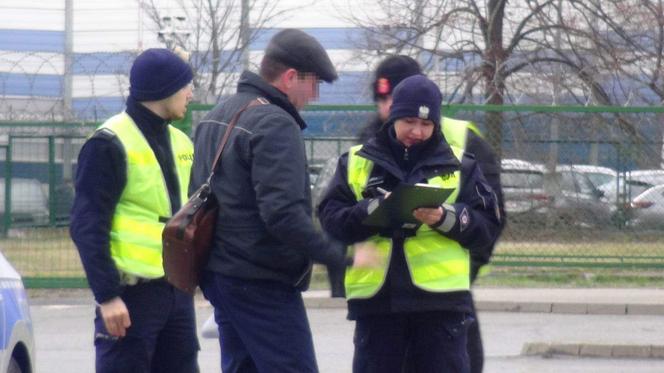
<point>341,216</point>
<point>264,228</point>
<point>100,179</point>
<point>484,156</point>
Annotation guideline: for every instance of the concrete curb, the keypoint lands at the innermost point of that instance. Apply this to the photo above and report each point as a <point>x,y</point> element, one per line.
<point>594,350</point>
<point>572,308</point>
<point>526,306</point>
<point>559,301</point>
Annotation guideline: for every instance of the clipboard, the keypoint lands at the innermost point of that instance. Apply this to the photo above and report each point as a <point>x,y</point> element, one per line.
<point>396,209</point>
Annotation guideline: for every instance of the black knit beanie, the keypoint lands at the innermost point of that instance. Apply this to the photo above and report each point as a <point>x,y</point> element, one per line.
<point>416,97</point>
<point>158,73</point>
<point>391,71</point>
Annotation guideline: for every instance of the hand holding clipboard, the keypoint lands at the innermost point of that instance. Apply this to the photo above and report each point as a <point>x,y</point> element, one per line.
<point>396,210</point>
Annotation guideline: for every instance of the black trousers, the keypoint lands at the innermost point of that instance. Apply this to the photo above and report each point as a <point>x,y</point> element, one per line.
<point>420,342</point>
<point>263,325</point>
<point>475,347</point>
<point>335,275</point>
<point>161,338</point>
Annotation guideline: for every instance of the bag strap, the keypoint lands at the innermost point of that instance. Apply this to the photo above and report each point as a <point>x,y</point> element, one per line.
<point>220,148</point>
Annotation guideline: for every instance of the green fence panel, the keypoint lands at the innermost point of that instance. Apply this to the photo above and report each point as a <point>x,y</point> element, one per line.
<point>560,216</point>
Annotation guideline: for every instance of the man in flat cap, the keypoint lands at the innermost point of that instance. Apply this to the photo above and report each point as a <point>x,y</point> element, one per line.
<point>265,240</point>
<point>132,175</point>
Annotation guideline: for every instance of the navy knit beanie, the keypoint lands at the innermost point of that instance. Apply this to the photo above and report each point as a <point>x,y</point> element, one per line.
<point>158,73</point>
<point>416,97</point>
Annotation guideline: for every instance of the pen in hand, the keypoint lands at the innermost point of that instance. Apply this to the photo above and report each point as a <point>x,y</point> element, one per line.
<point>384,192</point>
<point>376,201</point>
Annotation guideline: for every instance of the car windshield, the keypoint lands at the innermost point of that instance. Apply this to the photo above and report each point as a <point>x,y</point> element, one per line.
<point>521,179</point>
<point>636,188</point>
<point>566,181</point>
<point>599,179</point>
<point>654,178</point>
<point>631,190</point>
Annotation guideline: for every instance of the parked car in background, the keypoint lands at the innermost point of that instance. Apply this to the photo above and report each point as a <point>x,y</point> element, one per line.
<point>526,199</point>
<point>538,197</point>
<point>646,211</point>
<point>29,203</point>
<point>621,191</point>
<point>63,199</point>
<point>598,175</point>
<point>578,200</point>
<point>626,186</point>
<point>325,174</point>
<point>16,334</point>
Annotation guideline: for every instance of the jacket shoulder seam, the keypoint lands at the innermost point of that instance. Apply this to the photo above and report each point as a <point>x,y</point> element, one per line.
<point>226,125</point>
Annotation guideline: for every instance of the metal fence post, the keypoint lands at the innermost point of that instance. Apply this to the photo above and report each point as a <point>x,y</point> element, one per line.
<point>51,182</point>
<point>5,228</point>
<point>7,221</point>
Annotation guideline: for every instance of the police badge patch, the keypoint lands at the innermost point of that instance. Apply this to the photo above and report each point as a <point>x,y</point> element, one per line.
<point>423,112</point>
<point>464,220</point>
<point>383,86</point>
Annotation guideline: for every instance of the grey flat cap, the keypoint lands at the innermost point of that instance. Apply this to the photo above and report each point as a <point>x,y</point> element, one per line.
<point>296,49</point>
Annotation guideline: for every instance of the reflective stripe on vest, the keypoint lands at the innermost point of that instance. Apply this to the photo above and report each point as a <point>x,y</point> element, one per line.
<point>435,262</point>
<point>456,134</point>
<point>144,204</point>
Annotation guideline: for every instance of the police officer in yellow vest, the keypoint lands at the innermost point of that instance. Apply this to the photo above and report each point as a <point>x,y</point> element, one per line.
<point>412,311</point>
<point>465,137</point>
<point>132,175</point>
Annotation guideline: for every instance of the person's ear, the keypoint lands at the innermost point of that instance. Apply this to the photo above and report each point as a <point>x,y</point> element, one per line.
<point>288,78</point>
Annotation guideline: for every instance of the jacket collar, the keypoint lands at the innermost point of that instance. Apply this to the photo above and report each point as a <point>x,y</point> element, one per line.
<point>438,156</point>
<point>253,83</point>
<point>149,123</point>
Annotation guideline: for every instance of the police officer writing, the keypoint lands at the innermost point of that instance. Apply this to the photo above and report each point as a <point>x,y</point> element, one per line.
<point>464,136</point>
<point>132,175</point>
<point>265,239</point>
<point>412,311</point>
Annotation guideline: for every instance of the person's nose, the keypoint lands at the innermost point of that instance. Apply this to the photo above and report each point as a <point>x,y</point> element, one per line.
<point>418,132</point>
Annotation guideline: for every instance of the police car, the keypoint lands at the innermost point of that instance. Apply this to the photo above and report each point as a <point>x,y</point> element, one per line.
<point>16,338</point>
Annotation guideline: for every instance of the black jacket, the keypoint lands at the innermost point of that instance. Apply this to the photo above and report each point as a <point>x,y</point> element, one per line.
<point>341,215</point>
<point>101,176</point>
<point>264,228</point>
<point>370,129</point>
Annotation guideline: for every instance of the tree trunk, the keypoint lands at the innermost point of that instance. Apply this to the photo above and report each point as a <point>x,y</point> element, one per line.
<point>494,73</point>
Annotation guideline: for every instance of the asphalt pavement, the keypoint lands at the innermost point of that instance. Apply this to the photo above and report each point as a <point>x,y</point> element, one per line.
<point>524,330</point>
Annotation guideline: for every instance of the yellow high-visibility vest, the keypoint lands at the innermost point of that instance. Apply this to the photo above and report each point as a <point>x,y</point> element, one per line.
<point>435,262</point>
<point>456,134</point>
<point>144,205</point>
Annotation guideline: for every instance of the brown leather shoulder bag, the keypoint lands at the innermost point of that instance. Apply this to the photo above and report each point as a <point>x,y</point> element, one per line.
<point>187,236</point>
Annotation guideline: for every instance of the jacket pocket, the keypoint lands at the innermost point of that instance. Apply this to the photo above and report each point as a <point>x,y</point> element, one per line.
<point>458,325</point>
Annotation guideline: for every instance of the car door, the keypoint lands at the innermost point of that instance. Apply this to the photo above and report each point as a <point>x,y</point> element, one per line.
<point>594,209</point>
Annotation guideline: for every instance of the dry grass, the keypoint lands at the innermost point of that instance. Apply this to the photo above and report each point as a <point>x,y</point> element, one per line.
<point>49,252</point>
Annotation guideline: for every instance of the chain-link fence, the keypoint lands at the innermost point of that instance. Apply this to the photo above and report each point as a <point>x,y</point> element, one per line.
<point>583,187</point>
<point>40,162</point>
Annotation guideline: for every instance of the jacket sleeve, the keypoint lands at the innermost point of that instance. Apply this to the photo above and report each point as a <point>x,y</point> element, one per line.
<point>340,213</point>
<point>490,167</point>
<point>100,179</point>
<point>474,219</point>
<point>278,173</point>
